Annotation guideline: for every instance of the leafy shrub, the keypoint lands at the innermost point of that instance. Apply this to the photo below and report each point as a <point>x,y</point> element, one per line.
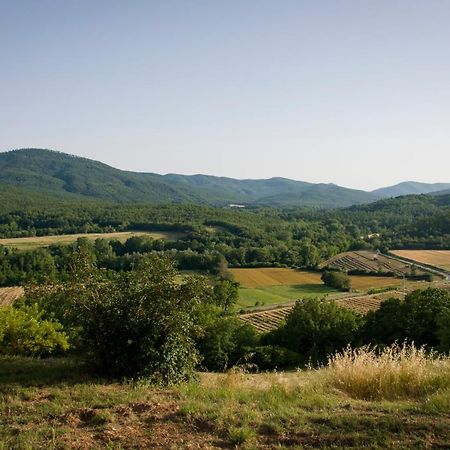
<point>135,324</point>
<point>24,332</point>
<point>443,330</point>
<point>316,328</point>
<point>338,280</point>
<point>225,342</point>
<point>419,318</point>
<point>269,357</point>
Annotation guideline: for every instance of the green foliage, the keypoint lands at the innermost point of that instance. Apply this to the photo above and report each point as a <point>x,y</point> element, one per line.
<point>226,294</point>
<point>315,329</point>
<point>338,280</point>
<point>135,324</point>
<point>269,357</point>
<point>62,175</point>
<point>213,238</point>
<point>225,342</point>
<point>443,330</point>
<point>422,318</point>
<point>23,331</point>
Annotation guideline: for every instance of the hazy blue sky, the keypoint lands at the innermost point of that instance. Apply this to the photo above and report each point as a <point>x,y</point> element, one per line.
<point>351,92</point>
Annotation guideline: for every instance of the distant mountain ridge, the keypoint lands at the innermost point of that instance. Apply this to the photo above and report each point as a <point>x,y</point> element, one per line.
<point>63,176</point>
<point>410,188</point>
<point>55,173</point>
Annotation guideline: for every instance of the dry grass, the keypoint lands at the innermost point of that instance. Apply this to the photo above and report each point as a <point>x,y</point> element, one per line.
<point>9,294</point>
<point>29,243</point>
<point>55,403</point>
<point>397,372</point>
<point>437,258</point>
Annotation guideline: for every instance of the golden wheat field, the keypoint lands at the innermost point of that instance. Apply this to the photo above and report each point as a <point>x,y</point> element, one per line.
<point>9,294</point>
<point>29,243</point>
<point>362,282</point>
<point>437,258</point>
<point>268,276</point>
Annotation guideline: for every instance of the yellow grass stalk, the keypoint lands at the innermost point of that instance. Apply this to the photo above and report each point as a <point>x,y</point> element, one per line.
<point>395,372</point>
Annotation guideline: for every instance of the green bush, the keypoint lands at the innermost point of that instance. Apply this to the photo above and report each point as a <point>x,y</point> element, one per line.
<point>134,324</point>
<point>225,342</point>
<point>316,328</point>
<point>23,331</point>
<point>338,280</point>
<point>421,318</point>
<point>270,357</point>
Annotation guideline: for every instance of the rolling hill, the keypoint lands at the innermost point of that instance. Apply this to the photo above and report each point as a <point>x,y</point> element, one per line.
<point>28,176</point>
<point>410,188</point>
<point>50,173</point>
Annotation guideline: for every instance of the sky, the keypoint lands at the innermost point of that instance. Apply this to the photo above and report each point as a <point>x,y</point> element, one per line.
<point>352,92</point>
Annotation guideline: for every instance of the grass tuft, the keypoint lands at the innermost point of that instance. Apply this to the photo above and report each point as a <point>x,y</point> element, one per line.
<point>396,372</point>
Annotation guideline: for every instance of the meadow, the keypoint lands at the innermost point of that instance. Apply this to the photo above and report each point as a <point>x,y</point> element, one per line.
<point>31,243</point>
<point>270,286</point>
<point>437,258</point>
<point>360,400</point>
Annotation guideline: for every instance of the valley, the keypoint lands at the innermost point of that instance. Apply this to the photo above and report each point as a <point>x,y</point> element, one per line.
<point>142,308</point>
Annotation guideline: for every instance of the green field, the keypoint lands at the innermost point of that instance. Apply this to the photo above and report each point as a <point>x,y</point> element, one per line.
<point>270,295</point>
<point>31,243</point>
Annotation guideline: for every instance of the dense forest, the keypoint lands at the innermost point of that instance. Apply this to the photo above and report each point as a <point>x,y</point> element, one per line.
<point>211,238</point>
<point>62,175</point>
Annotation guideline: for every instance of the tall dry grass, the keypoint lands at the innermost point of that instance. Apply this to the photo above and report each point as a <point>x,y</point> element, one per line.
<point>396,372</point>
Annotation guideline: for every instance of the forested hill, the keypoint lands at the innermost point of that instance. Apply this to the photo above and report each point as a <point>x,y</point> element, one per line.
<point>58,174</point>
<point>412,187</point>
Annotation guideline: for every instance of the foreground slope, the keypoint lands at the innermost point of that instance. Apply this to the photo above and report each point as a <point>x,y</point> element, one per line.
<point>55,403</point>
<point>45,172</point>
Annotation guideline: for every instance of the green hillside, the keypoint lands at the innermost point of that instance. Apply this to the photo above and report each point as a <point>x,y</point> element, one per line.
<point>59,174</point>
<point>411,188</point>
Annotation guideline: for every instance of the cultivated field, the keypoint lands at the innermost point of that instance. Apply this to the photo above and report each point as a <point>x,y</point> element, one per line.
<point>367,262</point>
<point>269,276</point>
<point>30,243</point>
<point>436,258</point>
<point>269,295</point>
<point>269,286</point>
<point>268,319</point>
<point>9,294</point>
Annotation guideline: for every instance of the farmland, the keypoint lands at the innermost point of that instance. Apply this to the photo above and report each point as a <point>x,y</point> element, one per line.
<point>30,243</point>
<point>268,295</point>
<point>266,320</point>
<point>269,286</point>
<point>9,294</point>
<point>436,258</point>
<point>268,276</point>
<point>365,261</point>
